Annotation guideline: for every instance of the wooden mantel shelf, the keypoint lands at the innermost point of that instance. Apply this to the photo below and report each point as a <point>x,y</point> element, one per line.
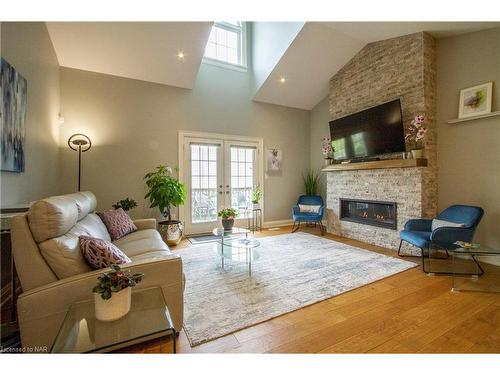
<point>379,164</point>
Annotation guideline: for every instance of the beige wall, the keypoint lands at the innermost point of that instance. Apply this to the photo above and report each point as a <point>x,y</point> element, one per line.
<point>468,152</point>
<point>27,47</point>
<point>320,117</point>
<point>134,127</point>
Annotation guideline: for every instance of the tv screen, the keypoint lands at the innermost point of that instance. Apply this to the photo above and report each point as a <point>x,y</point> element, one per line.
<point>374,131</point>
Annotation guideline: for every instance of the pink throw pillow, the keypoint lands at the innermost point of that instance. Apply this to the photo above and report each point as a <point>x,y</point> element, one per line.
<point>101,253</point>
<point>117,222</point>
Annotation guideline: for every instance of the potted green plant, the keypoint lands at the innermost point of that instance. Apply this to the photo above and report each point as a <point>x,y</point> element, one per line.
<point>166,192</point>
<point>126,204</point>
<point>311,181</point>
<point>113,293</point>
<point>228,215</point>
<point>256,196</point>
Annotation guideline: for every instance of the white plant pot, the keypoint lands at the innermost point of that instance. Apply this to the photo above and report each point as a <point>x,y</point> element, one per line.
<point>114,308</point>
<point>417,154</point>
<point>256,206</point>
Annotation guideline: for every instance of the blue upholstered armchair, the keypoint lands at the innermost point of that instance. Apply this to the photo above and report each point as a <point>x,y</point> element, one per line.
<point>308,217</point>
<point>419,233</point>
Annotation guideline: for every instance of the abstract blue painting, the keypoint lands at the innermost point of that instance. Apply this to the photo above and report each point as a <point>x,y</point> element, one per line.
<point>14,89</point>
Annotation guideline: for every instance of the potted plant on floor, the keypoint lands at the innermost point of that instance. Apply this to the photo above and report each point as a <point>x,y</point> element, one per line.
<point>126,204</point>
<point>416,135</point>
<point>256,196</point>
<point>113,293</point>
<point>166,192</point>
<point>311,181</point>
<point>228,215</point>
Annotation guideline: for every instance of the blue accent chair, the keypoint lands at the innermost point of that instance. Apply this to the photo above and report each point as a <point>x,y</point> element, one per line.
<point>419,233</point>
<point>306,217</point>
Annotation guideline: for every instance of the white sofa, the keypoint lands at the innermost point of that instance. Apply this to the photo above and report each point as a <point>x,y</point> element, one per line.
<point>54,274</point>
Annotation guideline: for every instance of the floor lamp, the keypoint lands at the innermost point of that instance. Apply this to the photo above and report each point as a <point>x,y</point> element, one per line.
<point>81,143</point>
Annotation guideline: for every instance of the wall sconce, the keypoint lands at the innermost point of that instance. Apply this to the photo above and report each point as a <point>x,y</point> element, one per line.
<point>81,143</point>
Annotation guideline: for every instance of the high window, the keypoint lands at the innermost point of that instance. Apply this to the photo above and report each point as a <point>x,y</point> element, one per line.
<point>227,44</point>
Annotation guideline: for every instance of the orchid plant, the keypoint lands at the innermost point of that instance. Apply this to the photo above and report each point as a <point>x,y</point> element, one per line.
<point>416,132</point>
<point>327,148</point>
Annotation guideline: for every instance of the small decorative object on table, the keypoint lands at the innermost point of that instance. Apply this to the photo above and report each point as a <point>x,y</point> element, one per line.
<point>228,215</point>
<point>416,135</point>
<point>112,293</point>
<point>165,192</point>
<point>256,196</point>
<point>126,204</point>
<point>328,149</point>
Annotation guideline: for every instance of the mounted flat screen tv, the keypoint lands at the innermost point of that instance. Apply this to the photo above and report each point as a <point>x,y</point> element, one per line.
<point>371,132</point>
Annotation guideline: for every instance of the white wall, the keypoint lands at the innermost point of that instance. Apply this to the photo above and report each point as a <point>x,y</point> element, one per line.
<point>134,127</point>
<point>28,48</point>
<point>270,41</point>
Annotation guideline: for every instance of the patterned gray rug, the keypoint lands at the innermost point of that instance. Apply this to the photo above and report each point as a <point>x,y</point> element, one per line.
<point>294,270</point>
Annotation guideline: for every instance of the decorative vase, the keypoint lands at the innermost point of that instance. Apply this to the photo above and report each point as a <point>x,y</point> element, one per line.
<point>227,224</point>
<point>328,161</point>
<point>417,154</point>
<point>114,308</point>
<point>171,231</point>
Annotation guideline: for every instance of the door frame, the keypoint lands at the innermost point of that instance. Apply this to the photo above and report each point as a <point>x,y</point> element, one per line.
<point>224,137</point>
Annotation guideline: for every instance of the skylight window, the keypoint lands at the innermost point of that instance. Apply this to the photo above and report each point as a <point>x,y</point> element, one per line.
<point>227,45</point>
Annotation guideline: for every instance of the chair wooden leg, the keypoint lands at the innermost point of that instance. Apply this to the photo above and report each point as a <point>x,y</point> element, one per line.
<point>295,228</point>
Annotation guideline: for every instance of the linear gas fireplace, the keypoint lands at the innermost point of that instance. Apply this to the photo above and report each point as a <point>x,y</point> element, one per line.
<point>380,214</point>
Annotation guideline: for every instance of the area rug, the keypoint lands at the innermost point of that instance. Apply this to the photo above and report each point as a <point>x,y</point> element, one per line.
<point>294,270</point>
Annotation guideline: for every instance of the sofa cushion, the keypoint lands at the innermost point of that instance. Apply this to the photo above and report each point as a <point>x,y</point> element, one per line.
<point>52,217</point>
<point>139,243</point>
<point>101,253</point>
<point>63,254</point>
<point>118,223</point>
<point>85,202</point>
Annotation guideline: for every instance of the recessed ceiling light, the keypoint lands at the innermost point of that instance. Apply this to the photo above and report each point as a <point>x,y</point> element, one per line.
<point>180,55</point>
<point>283,80</point>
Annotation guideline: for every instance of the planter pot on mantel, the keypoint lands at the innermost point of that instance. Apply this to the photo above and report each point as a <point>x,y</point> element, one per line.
<point>114,308</point>
<point>417,154</point>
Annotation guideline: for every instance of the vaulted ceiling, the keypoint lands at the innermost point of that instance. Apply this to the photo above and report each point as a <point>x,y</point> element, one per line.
<point>140,50</point>
<point>305,55</point>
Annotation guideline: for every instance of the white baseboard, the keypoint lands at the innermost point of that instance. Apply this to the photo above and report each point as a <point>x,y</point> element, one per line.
<point>277,223</point>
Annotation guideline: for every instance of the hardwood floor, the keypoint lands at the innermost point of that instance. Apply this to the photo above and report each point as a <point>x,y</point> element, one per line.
<point>409,312</point>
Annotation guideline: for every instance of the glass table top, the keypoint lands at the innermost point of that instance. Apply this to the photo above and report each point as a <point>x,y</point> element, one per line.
<point>477,249</point>
<point>238,254</point>
<point>242,243</point>
<point>81,332</point>
<point>221,232</point>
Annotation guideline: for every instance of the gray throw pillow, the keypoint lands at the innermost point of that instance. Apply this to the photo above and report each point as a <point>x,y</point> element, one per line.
<point>436,223</point>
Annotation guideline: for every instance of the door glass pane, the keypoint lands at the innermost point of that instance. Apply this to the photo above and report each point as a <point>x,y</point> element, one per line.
<point>242,177</point>
<point>203,183</point>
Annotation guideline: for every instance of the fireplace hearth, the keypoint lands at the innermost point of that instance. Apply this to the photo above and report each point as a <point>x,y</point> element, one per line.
<point>376,213</point>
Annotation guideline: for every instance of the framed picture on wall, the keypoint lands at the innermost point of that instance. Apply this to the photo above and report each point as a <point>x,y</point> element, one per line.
<point>14,89</point>
<point>274,159</point>
<point>475,101</point>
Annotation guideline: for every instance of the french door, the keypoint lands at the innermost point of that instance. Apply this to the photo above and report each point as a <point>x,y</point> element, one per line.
<point>219,173</point>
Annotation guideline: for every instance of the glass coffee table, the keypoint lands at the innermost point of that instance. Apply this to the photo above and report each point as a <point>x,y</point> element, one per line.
<point>475,268</point>
<point>237,249</point>
<point>148,318</point>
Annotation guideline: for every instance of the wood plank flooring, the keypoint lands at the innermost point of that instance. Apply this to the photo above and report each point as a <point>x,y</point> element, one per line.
<point>409,312</point>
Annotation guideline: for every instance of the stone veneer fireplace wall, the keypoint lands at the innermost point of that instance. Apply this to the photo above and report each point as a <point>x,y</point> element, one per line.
<point>404,68</point>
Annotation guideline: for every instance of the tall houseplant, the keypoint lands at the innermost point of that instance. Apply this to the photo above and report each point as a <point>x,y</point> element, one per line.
<point>166,192</point>
<point>311,181</point>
